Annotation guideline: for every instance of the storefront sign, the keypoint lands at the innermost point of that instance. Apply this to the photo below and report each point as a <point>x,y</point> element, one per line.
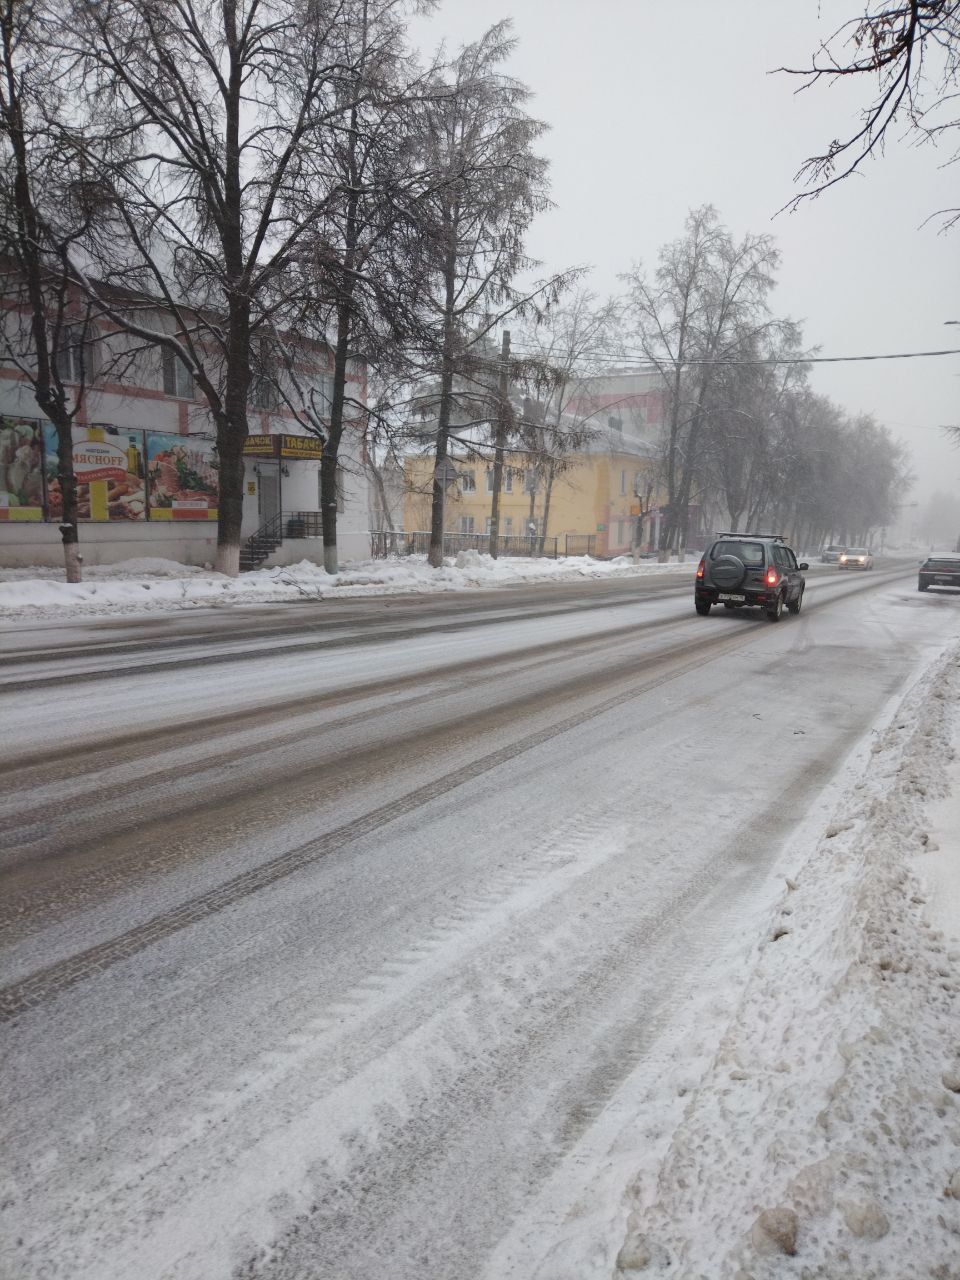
<point>301,447</point>
<point>182,477</point>
<point>108,465</point>
<point>21,469</point>
<point>261,446</point>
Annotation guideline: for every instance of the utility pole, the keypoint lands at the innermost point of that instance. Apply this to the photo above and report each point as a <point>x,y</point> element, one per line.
<point>499,441</point>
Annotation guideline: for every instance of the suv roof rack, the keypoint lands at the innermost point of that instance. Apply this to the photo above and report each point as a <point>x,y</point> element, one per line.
<point>776,537</point>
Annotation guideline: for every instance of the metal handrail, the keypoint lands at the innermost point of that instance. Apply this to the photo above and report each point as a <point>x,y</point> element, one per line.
<point>283,524</point>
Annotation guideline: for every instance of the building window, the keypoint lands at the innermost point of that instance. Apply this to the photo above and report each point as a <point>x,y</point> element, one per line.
<point>177,378</point>
<point>615,424</point>
<point>75,357</point>
<point>623,482</point>
<point>508,525</point>
<point>325,394</point>
<point>264,395</point>
<point>468,482</point>
<point>466,524</point>
<point>488,525</point>
<point>638,484</point>
<point>506,484</point>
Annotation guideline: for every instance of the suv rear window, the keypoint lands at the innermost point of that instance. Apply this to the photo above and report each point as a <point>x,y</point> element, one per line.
<point>748,552</point>
<point>942,562</point>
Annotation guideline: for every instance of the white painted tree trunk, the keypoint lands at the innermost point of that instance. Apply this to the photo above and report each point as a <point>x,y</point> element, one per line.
<point>73,561</point>
<point>228,560</point>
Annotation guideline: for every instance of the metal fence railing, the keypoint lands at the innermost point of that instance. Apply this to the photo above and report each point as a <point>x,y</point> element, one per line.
<point>579,544</point>
<point>384,544</point>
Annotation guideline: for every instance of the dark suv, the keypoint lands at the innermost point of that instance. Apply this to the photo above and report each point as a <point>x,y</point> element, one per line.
<point>741,569</point>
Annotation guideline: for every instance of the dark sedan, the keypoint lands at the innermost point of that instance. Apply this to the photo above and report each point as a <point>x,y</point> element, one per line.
<point>939,571</point>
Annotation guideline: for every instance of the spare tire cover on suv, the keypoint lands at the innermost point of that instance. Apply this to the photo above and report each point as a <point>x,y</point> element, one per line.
<point>727,572</point>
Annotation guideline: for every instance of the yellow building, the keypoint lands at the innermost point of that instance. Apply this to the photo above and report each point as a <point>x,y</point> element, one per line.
<point>599,495</point>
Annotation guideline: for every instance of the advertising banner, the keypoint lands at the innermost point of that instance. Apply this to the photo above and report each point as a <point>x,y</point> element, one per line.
<point>108,464</point>
<point>21,469</point>
<point>301,447</point>
<point>261,446</point>
<point>183,480</point>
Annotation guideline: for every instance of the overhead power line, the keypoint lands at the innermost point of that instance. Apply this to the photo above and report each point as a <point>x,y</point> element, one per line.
<point>621,358</point>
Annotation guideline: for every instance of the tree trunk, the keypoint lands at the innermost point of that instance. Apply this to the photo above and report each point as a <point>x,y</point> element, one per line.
<point>386,519</point>
<point>231,437</point>
<point>232,426</point>
<point>331,450</point>
<point>435,554</point>
<point>500,441</point>
<point>438,497</point>
<point>345,302</point>
<point>69,531</point>
<point>230,453</point>
<point>547,494</point>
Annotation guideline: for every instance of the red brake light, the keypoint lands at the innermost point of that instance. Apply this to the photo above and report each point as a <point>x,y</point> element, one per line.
<point>772,578</point>
<point>700,568</point>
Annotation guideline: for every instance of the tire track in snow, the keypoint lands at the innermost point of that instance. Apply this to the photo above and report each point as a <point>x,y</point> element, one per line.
<point>234,650</point>
<point>23,995</point>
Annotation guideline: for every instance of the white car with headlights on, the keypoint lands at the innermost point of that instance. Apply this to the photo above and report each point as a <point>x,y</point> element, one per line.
<point>855,558</point>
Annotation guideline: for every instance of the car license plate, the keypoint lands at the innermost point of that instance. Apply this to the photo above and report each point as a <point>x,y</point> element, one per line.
<point>735,599</point>
<point>948,581</point>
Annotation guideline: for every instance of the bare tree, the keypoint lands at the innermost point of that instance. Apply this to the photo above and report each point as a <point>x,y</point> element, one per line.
<point>358,272</point>
<point>569,346</point>
<point>708,295</point>
<point>203,127</point>
<point>479,141</point>
<point>742,418</point>
<point>46,334</point>
<point>909,50</point>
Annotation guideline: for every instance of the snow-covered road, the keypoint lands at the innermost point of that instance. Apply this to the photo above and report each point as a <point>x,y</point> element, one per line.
<point>341,939</point>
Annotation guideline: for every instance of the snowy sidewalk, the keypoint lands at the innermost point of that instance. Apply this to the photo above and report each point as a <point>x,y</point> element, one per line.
<point>152,586</point>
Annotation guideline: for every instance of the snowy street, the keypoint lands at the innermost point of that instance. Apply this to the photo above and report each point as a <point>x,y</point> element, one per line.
<point>401,936</point>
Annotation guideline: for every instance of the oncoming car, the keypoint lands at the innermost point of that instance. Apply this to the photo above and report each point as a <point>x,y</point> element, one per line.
<point>832,553</point>
<point>856,558</point>
<point>739,570</point>
<point>939,571</point>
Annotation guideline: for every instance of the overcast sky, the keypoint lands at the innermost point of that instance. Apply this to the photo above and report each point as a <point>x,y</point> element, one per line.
<point>656,108</point>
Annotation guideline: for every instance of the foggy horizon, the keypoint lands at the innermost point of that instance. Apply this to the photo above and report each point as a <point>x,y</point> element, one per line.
<point>648,120</point>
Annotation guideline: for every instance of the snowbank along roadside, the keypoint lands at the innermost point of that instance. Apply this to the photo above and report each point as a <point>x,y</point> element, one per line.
<point>823,1138</point>
<point>151,585</point>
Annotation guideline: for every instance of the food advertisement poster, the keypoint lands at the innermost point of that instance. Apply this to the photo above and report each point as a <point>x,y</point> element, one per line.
<point>183,481</point>
<point>108,464</point>
<point>21,469</point>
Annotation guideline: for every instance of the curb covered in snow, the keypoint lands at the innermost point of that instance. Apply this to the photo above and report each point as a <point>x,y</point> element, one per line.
<point>153,585</point>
